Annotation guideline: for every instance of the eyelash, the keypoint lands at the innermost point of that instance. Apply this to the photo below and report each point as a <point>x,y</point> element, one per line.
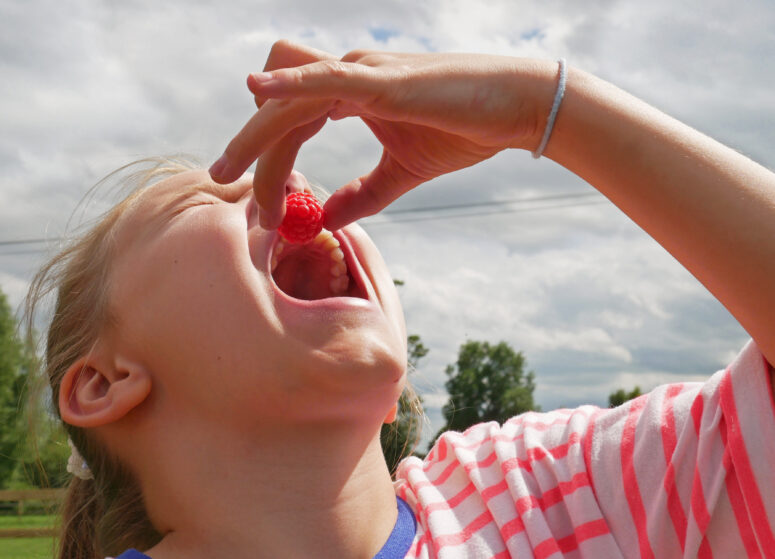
<point>192,203</point>
<point>195,201</point>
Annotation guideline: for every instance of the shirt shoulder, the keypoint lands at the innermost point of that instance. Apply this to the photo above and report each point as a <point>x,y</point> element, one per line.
<point>519,489</point>
<point>686,469</point>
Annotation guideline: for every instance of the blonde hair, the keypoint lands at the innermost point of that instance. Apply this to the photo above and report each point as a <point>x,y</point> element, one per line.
<point>106,515</point>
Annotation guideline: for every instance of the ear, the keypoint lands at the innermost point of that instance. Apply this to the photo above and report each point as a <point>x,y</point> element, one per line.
<point>391,416</point>
<point>96,391</point>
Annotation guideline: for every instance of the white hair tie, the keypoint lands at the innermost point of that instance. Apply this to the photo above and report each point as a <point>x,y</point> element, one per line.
<point>553,114</point>
<point>76,465</point>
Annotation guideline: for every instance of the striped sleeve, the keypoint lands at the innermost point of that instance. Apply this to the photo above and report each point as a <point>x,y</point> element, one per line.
<point>685,471</point>
<point>517,490</point>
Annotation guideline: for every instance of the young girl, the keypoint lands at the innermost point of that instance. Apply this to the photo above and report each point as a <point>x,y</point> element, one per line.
<point>227,399</point>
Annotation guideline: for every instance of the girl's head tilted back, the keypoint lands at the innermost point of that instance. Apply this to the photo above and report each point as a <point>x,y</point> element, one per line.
<point>182,329</point>
<point>108,508</point>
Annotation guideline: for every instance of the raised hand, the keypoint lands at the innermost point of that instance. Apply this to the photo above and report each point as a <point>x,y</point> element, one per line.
<point>433,114</point>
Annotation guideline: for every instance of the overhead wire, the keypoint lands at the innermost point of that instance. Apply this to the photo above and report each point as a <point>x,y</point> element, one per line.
<point>498,209</point>
<point>389,217</point>
<point>561,196</point>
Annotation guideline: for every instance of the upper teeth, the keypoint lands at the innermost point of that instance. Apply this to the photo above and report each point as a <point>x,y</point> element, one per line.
<point>325,241</point>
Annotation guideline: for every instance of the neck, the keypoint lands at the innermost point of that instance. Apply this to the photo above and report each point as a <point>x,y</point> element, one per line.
<point>306,491</point>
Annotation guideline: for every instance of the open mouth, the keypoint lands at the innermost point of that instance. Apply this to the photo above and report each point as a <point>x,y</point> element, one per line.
<point>317,270</point>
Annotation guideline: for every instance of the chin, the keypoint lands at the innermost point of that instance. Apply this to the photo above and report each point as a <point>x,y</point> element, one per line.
<point>361,361</point>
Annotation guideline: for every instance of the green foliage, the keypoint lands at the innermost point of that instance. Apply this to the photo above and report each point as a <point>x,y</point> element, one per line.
<point>415,350</point>
<point>33,451</point>
<point>487,383</point>
<point>619,397</point>
<point>400,437</point>
<point>13,365</point>
<point>42,462</point>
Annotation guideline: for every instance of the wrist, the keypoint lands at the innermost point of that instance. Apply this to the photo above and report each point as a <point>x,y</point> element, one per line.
<point>538,81</point>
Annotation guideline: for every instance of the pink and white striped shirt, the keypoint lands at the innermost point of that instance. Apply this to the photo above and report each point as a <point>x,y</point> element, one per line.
<point>685,471</point>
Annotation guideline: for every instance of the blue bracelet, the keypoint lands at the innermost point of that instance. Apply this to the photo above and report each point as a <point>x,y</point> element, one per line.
<point>553,114</point>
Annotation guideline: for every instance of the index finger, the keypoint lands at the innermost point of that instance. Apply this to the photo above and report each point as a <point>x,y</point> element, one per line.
<point>287,54</point>
<point>274,121</point>
<point>375,89</point>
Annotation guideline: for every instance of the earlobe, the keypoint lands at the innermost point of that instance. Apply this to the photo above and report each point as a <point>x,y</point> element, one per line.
<point>96,391</point>
<point>391,416</point>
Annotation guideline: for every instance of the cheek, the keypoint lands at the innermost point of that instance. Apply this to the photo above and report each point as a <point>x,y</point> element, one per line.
<point>197,304</point>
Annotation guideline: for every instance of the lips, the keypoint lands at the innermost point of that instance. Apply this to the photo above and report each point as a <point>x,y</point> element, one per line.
<point>303,279</point>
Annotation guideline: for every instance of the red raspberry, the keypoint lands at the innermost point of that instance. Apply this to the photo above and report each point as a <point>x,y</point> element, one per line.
<point>303,218</point>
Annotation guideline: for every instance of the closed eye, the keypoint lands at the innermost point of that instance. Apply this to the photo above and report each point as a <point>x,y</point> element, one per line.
<point>190,203</point>
<point>205,194</point>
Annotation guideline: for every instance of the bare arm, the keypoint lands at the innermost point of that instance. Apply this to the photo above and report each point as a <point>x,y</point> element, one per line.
<point>709,206</point>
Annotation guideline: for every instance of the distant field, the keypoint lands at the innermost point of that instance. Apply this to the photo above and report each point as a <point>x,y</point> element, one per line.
<point>26,548</point>
<point>31,521</point>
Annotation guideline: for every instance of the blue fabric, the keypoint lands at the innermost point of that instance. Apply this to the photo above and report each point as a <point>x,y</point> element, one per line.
<point>132,554</point>
<point>396,546</point>
<point>402,536</point>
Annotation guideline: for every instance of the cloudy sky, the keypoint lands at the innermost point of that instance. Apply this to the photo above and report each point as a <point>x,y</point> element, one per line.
<point>595,304</point>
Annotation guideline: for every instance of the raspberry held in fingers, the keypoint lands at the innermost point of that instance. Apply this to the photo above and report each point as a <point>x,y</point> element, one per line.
<point>303,218</point>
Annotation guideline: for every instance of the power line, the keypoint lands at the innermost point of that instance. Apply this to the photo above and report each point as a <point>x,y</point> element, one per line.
<point>496,205</point>
<point>27,241</point>
<point>377,221</point>
<point>21,252</point>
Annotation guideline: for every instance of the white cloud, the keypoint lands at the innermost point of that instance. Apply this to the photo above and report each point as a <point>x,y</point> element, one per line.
<point>592,301</point>
<point>14,288</point>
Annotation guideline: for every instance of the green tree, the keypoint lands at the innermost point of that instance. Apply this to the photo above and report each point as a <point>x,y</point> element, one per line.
<point>487,383</point>
<point>415,350</point>
<point>43,460</point>
<point>400,437</point>
<point>619,397</point>
<point>12,382</point>
<point>33,450</point>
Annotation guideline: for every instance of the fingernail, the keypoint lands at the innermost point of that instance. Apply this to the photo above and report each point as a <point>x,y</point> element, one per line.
<point>266,220</point>
<point>255,80</point>
<point>218,169</point>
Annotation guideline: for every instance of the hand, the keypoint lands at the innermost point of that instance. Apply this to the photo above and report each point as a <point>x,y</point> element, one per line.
<point>433,114</point>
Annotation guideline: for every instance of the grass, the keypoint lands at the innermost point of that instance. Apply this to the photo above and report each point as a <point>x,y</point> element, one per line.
<point>26,548</point>
<point>26,521</point>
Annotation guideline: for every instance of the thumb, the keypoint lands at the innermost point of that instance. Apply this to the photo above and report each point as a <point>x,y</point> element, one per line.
<point>369,194</point>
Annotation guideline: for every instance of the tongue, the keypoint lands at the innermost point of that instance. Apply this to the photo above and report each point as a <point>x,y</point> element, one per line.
<point>304,274</point>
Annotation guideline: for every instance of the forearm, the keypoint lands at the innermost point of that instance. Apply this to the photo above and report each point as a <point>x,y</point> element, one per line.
<point>710,207</point>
